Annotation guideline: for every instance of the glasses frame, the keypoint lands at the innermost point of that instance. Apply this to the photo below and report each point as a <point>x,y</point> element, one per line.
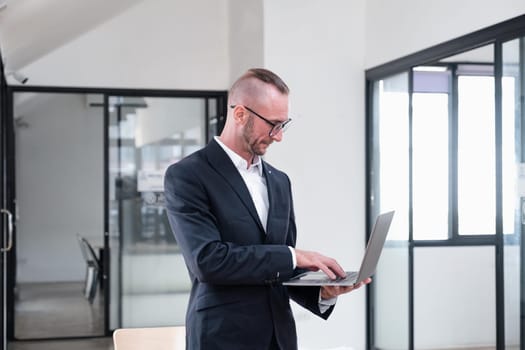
<point>276,127</point>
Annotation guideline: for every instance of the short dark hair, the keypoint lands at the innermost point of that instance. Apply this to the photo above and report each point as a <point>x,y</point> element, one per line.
<point>268,77</point>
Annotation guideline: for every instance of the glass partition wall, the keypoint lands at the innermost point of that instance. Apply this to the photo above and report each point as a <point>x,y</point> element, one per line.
<point>445,150</point>
<point>390,179</point>
<point>149,285</point>
<point>90,165</point>
<point>513,188</point>
<point>59,163</point>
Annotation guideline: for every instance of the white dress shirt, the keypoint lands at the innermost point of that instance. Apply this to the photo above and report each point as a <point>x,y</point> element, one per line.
<point>253,177</point>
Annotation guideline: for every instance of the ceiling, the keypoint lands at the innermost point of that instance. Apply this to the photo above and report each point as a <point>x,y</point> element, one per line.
<point>30,29</point>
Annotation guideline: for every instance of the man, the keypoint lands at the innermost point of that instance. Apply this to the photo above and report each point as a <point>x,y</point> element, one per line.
<point>232,215</point>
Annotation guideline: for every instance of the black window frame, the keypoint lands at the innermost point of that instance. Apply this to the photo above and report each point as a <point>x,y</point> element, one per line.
<point>497,35</point>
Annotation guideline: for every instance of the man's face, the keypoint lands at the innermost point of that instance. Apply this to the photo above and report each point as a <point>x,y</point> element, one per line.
<point>256,131</point>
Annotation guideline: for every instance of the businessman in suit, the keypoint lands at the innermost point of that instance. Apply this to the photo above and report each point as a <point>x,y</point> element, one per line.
<point>232,215</point>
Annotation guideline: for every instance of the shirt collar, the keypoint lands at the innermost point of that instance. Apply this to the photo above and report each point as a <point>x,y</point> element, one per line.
<point>239,162</point>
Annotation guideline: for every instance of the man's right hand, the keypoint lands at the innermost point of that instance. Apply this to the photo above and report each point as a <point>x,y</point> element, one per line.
<point>314,261</point>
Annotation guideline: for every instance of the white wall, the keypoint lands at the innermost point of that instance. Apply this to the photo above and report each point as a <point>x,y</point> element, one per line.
<point>398,28</point>
<point>246,36</point>
<point>318,48</point>
<point>171,44</point>
<point>30,29</point>
<point>60,186</point>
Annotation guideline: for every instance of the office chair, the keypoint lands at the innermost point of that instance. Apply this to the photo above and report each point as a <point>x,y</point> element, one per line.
<point>92,269</point>
<point>155,338</point>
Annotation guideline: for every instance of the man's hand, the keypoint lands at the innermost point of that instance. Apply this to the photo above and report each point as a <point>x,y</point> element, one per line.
<point>328,292</point>
<point>314,262</point>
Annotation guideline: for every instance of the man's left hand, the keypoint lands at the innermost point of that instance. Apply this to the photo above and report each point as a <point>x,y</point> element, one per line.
<point>328,292</point>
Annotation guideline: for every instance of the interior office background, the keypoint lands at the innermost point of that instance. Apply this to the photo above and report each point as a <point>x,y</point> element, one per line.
<point>321,49</point>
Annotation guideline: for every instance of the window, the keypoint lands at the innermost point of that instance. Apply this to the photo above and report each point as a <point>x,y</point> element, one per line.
<point>454,152</point>
<point>445,150</point>
<point>430,144</point>
<point>476,171</point>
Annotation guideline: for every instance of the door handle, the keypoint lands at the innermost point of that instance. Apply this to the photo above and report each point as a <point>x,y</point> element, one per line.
<point>523,212</point>
<point>9,230</point>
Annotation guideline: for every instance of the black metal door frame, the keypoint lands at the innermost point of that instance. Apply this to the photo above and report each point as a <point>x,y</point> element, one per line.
<point>7,211</point>
<point>8,166</point>
<point>3,315</point>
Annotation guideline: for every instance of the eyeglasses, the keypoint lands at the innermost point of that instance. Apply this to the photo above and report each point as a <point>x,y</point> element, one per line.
<point>276,127</point>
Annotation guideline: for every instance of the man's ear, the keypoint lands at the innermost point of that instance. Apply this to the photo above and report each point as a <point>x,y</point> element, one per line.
<point>239,115</point>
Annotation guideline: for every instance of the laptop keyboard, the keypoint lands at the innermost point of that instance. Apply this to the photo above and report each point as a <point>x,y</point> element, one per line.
<point>349,277</point>
<point>320,277</point>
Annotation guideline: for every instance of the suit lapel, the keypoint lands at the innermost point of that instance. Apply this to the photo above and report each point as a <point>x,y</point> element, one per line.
<point>271,184</point>
<point>224,166</point>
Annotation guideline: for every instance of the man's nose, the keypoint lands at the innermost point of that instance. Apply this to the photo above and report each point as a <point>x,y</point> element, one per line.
<point>278,136</point>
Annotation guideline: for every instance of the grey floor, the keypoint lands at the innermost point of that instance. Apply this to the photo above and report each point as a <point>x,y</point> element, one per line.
<point>84,344</point>
<point>58,310</point>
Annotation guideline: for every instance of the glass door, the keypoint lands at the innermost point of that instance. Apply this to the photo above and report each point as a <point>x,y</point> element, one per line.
<point>59,166</point>
<point>149,282</point>
<point>513,167</point>
<point>389,176</point>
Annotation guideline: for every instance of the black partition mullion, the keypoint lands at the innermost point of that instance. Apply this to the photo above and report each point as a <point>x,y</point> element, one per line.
<point>10,204</point>
<point>119,223</point>
<point>410,213</point>
<point>372,196</point>
<point>369,88</point>
<point>3,201</point>
<point>207,116</point>
<point>222,108</point>
<point>521,227</point>
<point>107,254</point>
<point>453,154</point>
<point>499,251</point>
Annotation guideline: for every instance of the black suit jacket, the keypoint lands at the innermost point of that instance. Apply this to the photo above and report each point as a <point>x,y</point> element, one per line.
<point>237,300</point>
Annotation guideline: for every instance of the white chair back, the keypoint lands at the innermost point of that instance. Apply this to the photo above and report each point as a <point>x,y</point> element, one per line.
<point>154,338</point>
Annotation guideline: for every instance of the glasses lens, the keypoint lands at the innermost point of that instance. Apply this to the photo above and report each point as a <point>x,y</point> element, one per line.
<point>275,130</point>
<point>280,127</point>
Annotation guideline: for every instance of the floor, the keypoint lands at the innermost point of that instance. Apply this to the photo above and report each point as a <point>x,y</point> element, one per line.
<point>83,344</point>
<point>46,310</point>
<point>58,310</point>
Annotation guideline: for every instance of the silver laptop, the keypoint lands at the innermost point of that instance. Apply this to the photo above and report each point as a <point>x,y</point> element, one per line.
<point>368,265</point>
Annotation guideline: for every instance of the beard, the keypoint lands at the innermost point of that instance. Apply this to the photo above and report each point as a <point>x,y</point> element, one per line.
<point>256,146</point>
